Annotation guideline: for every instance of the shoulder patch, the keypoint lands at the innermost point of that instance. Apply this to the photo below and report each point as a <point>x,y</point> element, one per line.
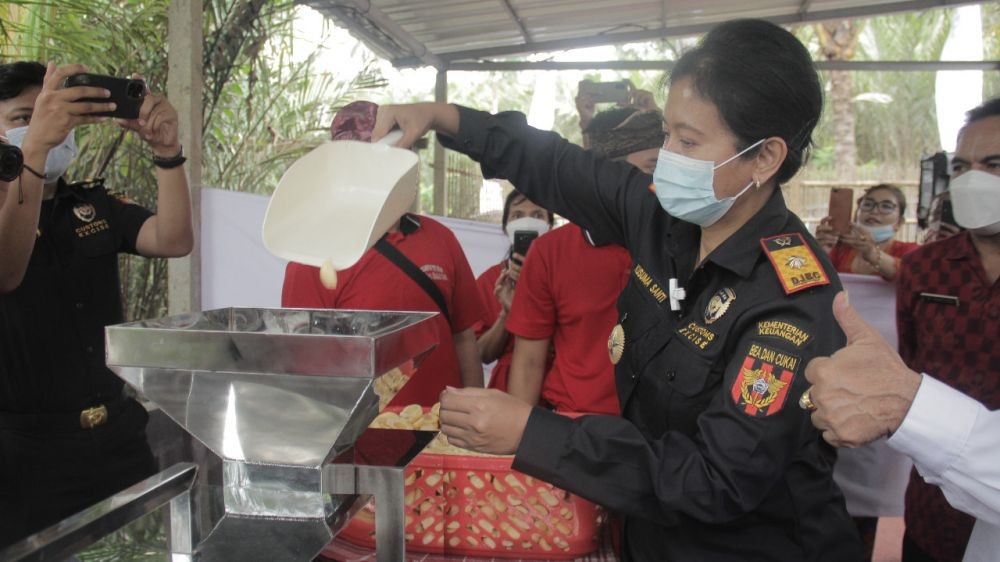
<point>794,262</point>
<point>89,183</point>
<point>784,330</point>
<point>121,197</point>
<point>761,387</point>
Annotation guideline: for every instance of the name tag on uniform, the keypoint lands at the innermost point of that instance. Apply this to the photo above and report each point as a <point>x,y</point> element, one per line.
<point>940,299</point>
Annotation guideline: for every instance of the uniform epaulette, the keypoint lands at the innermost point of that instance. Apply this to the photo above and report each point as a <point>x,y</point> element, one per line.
<point>89,183</point>
<point>121,196</point>
<point>794,262</point>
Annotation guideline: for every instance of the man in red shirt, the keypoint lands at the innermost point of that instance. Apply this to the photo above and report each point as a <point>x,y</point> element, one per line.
<point>948,315</point>
<point>568,288</point>
<point>375,283</point>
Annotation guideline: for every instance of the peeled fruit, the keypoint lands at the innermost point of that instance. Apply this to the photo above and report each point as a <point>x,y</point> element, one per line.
<point>328,275</point>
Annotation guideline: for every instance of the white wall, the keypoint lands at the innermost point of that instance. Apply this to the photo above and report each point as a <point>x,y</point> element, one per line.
<point>236,269</point>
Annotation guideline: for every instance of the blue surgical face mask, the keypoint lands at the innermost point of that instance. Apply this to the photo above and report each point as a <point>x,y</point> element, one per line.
<point>881,233</point>
<point>686,187</point>
<point>59,157</point>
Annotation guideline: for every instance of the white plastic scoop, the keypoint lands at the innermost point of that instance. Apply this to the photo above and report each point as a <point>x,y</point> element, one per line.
<point>337,201</point>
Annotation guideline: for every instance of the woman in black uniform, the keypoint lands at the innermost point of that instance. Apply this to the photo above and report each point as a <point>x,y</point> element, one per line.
<point>729,298</point>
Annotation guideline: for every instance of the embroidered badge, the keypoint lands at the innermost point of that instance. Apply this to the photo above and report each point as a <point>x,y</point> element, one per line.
<point>794,262</point>
<point>719,304</point>
<point>784,330</point>
<point>616,344</point>
<point>762,385</point>
<point>697,334</point>
<point>85,212</point>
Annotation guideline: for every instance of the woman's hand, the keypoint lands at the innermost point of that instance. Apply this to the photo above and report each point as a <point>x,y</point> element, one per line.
<point>825,235</point>
<point>585,106</point>
<point>643,100</point>
<point>514,265</point>
<point>415,120</point>
<point>156,124</point>
<point>862,242</point>
<point>503,290</point>
<point>483,420</point>
<point>57,110</point>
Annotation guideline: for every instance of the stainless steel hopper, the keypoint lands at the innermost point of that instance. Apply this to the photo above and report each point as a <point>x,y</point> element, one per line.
<point>283,397</point>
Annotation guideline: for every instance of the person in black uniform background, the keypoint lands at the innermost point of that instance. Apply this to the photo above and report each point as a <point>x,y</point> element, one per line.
<point>68,438</point>
<point>711,459</point>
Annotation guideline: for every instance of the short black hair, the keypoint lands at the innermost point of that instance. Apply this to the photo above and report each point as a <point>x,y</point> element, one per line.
<point>15,77</point>
<point>763,83</point>
<point>986,109</point>
<point>513,198</point>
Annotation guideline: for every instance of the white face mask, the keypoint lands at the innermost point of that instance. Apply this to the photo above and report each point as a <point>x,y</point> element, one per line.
<point>59,158</point>
<point>880,233</point>
<point>685,187</point>
<point>526,223</point>
<point>975,197</point>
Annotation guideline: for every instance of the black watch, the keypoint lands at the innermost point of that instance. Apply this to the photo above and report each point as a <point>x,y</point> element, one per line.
<point>168,162</point>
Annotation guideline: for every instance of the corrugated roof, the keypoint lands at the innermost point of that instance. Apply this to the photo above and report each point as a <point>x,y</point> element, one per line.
<point>440,32</point>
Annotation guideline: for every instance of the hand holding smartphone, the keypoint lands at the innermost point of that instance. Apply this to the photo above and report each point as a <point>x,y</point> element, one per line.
<point>127,93</point>
<point>522,241</point>
<point>841,204</point>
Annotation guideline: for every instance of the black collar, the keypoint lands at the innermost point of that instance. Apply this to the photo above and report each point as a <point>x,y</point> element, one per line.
<point>739,253</point>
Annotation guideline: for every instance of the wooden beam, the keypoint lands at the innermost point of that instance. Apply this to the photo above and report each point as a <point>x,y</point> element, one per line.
<point>184,90</point>
<point>440,158</point>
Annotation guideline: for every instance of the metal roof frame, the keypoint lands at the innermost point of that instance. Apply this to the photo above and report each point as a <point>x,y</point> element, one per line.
<point>393,32</point>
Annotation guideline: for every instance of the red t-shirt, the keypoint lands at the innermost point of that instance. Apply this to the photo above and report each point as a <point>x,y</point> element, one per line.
<point>375,283</point>
<point>567,292</point>
<point>491,312</point>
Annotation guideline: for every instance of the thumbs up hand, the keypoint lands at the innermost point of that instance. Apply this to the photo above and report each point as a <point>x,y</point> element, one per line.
<point>863,391</point>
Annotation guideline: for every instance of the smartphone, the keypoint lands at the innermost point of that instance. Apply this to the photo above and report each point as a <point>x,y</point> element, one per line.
<point>841,204</point>
<point>948,213</point>
<point>607,92</point>
<point>126,93</point>
<point>523,240</point>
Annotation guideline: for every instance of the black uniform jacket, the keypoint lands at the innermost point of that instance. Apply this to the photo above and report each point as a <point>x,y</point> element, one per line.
<point>52,325</point>
<point>712,458</point>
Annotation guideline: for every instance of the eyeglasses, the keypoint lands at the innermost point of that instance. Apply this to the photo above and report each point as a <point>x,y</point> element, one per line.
<point>883,207</point>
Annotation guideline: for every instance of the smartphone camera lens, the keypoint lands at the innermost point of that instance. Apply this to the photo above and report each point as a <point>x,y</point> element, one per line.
<point>135,89</point>
<point>11,161</point>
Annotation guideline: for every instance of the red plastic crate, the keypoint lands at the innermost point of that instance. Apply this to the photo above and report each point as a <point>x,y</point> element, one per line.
<point>475,506</point>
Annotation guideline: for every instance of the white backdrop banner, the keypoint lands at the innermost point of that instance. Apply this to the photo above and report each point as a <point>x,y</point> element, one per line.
<point>236,269</point>
<point>873,477</point>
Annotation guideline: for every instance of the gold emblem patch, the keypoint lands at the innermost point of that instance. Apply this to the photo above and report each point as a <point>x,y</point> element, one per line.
<point>616,344</point>
<point>719,304</point>
<point>85,212</point>
<point>794,262</point>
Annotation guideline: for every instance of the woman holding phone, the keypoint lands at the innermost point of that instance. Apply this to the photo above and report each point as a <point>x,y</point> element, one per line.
<point>870,247</point>
<point>728,298</point>
<point>496,285</point>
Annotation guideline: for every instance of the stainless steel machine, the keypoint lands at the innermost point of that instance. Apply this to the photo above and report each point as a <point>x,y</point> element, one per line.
<point>283,397</point>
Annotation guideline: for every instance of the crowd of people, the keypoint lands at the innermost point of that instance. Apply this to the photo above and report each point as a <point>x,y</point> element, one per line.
<point>683,308</point>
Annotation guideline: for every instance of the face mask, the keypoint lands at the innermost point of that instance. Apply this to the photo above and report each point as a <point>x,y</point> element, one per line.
<point>59,157</point>
<point>975,198</point>
<point>527,223</point>
<point>879,234</point>
<point>686,187</point>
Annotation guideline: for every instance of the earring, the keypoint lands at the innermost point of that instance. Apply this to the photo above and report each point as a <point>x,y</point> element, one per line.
<point>756,182</point>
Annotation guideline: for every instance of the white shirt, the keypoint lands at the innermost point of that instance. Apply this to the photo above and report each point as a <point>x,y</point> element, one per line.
<point>954,442</point>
